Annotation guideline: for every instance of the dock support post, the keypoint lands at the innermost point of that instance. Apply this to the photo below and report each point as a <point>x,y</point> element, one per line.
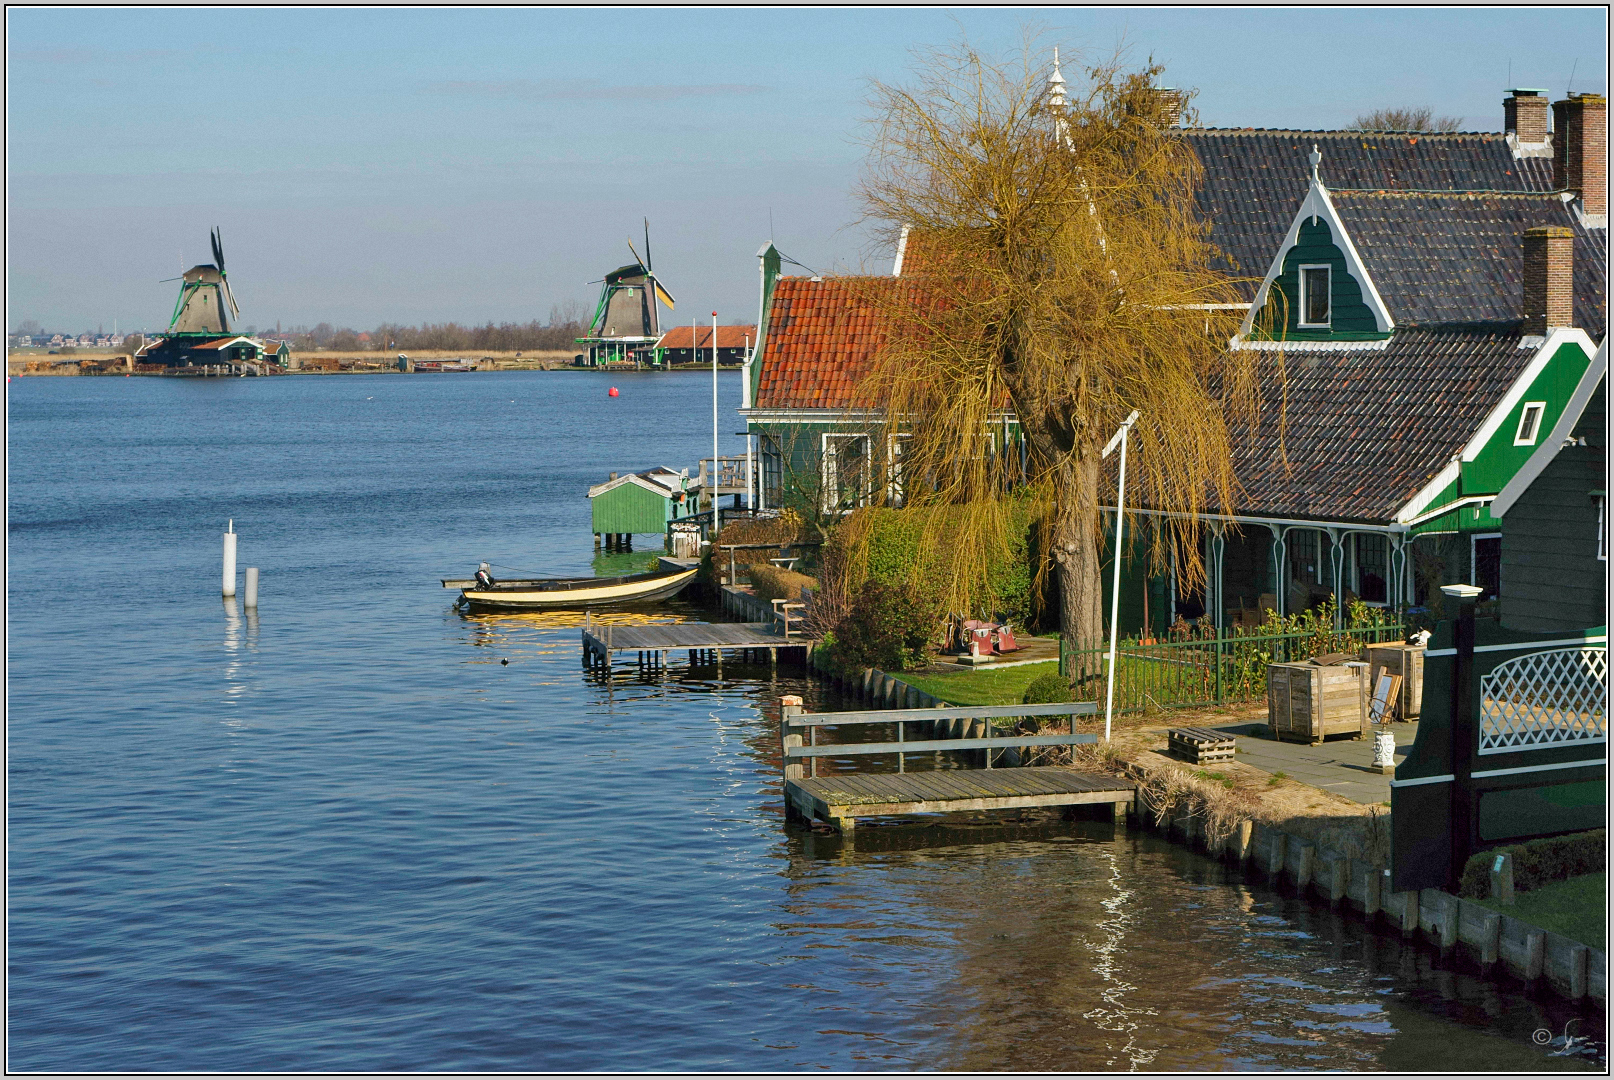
<point>789,709</point>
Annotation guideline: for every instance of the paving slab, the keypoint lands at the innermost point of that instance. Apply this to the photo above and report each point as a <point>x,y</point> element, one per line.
<point>1340,765</point>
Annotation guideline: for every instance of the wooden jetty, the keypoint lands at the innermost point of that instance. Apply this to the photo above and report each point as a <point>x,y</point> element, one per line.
<point>602,641</point>
<point>840,800</point>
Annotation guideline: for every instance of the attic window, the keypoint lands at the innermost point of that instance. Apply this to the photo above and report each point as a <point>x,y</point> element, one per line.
<point>1314,293</point>
<point>1529,423</point>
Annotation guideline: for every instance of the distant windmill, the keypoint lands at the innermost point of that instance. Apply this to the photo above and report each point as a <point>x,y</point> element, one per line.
<point>199,333</point>
<point>205,302</point>
<point>627,323</point>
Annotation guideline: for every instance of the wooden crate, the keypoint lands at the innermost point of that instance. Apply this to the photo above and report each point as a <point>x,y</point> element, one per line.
<point>1306,702</point>
<point>1399,658</point>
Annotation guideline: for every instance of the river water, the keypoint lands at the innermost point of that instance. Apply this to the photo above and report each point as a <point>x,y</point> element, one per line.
<point>345,834</point>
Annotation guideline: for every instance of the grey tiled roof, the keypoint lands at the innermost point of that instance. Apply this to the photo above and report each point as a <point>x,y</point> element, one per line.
<point>1255,179</point>
<point>1444,258</point>
<point>1364,431</point>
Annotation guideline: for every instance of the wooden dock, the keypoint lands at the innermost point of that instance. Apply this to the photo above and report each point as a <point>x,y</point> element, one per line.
<point>651,644</point>
<point>840,800</point>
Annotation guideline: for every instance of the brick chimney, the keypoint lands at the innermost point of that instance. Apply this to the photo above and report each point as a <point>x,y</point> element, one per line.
<point>1549,279</point>
<point>1524,112</point>
<point>1170,100</point>
<point>1580,149</point>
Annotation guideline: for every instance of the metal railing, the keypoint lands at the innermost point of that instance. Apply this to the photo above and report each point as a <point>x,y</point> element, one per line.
<point>1214,669</point>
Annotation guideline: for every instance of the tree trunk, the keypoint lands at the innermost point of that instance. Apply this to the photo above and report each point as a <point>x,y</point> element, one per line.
<point>1077,554</point>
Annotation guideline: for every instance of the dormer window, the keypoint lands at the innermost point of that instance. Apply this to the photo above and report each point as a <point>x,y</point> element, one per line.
<point>1529,423</point>
<point>1314,297</point>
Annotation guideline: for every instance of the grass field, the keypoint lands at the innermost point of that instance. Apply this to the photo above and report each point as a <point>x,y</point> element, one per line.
<point>1574,908</point>
<point>1004,686</point>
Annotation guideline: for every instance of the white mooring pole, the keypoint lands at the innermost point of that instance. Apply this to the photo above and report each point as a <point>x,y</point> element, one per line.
<point>229,558</point>
<point>1115,590</point>
<point>252,588</point>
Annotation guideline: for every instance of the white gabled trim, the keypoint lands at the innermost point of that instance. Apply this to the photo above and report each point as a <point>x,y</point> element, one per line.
<point>902,249</point>
<point>636,480</point>
<point>1554,442</point>
<point>1415,781</point>
<point>1261,345</point>
<point>1412,512</point>
<point>1317,204</point>
<point>1585,764</point>
<point>1521,386</point>
<point>1591,639</point>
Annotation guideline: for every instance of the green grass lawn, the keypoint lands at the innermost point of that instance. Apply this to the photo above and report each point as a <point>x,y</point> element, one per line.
<point>1573,908</point>
<point>1004,686</point>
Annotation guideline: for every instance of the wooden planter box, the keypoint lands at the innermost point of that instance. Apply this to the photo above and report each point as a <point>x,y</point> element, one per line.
<point>1406,661</point>
<point>1306,703</point>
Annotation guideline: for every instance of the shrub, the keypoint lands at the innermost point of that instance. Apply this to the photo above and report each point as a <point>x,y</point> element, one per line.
<point>771,582</point>
<point>1538,862</point>
<point>886,627</point>
<point>1049,689</point>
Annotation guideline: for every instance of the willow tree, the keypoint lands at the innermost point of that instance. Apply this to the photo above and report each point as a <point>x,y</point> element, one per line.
<point>1055,272</point>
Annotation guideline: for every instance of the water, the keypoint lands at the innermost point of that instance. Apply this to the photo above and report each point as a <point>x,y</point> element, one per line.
<point>343,835</point>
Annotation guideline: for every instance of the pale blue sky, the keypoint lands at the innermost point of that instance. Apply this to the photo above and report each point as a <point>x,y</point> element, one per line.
<point>427,165</point>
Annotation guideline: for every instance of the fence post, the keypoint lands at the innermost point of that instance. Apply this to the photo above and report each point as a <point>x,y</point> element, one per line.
<point>1219,663</point>
<point>790,709</point>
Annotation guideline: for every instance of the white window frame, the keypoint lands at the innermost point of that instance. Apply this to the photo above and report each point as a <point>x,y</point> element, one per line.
<point>1473,558</point>
<point>894,491</point>
<point>1304,297</point>
<point>1539,409</point>
<point>829,471</point>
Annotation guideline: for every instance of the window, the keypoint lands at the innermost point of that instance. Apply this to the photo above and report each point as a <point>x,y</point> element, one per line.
<point>1371,568</point>
<point>1302,544</point>
<point>845,473</point>
<point>1485,565</point>
<point>1529,423</point>
<point>893,487</point>
<point>1602,535</point>
<point>1314,296</point>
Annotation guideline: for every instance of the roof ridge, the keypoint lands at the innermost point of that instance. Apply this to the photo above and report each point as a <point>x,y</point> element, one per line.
<point>1341,132</point>
<point>1509,193</point>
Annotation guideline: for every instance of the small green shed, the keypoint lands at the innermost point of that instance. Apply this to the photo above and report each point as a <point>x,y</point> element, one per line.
<point>640,502</point>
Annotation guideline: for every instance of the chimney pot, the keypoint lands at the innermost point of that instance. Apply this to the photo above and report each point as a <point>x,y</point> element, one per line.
<point>1524,112</point>
<point>1170,100</point>
<point>1580,150</point>
<point>1549,279</point>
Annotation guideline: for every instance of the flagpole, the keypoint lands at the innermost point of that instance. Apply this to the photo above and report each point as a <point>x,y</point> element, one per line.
<point>714,423</point>
<point>1115,590</point>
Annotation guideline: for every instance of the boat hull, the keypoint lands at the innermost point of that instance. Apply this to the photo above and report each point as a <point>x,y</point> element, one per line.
<point>577,595</point>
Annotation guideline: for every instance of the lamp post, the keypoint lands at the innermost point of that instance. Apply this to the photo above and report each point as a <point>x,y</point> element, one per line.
<point>1120,438</point>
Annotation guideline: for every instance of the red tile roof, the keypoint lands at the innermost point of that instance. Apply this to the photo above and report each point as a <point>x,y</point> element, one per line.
<point>822,336</point>
<point>728,337</point>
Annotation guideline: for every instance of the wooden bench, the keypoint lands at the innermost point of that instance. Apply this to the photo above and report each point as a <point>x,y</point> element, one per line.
<point>1202,746</point>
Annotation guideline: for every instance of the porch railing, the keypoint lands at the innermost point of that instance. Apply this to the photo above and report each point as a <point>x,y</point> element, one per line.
<point>1215,669</point>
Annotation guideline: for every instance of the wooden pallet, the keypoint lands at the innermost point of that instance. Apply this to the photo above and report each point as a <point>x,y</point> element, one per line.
<point>1202,746</point>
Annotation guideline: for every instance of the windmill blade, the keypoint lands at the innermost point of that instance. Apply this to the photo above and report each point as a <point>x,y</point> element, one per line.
<point>661,292</point>
<point>218,249</point>
<point>230,296</point>
<point>636,258</point>
<point>647,263</point>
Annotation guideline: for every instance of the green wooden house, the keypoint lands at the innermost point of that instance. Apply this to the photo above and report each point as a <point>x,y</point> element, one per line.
<point>645,502</point>
<point>1554,567</point>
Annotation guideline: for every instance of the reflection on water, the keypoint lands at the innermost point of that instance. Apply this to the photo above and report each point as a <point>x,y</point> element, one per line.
<point>373,834</point>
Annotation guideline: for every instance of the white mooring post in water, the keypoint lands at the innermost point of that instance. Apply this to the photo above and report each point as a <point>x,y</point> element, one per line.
<point>252,588</point>
<point>229,558</point>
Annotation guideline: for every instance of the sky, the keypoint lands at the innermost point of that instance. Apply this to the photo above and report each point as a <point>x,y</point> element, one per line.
<point>370,165</point>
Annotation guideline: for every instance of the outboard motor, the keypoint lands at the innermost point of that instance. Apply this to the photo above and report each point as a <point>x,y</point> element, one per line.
<point>484,577</point>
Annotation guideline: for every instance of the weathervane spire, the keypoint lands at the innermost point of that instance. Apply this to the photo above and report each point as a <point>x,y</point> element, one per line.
<point>1056,85</point>
<point>1316,159</point>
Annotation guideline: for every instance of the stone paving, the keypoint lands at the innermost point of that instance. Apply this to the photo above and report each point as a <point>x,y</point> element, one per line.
<point>1340,765</point>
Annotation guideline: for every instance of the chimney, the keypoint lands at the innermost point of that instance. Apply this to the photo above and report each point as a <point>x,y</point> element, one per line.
<point>1525,114</point>
<point>1580,149</point>
<point>1549,279</point>
<point>1169,99</point>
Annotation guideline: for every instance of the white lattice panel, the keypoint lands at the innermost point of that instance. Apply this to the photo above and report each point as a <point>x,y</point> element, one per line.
<point>1544,699</point>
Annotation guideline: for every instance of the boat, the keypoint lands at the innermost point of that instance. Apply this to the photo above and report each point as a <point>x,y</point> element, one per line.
<point>534,594</point>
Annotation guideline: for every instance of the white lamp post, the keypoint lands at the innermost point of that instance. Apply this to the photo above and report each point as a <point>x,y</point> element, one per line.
<point>1115,591</point>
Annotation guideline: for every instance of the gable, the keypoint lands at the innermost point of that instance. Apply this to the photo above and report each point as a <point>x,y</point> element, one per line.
<point>1492,458</point>
<point>1350,315</point>
<point>1584,417</point>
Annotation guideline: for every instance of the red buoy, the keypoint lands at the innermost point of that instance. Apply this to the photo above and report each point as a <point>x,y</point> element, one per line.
<point>612,393</point>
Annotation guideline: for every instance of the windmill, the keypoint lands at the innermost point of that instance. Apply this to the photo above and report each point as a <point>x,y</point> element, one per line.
<point>205,302</point>
<point>199,333</point>
<point>627,322</point>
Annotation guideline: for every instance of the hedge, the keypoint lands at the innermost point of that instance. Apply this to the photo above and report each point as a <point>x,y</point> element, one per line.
<point>1538,862</point>
<point>771,582</point>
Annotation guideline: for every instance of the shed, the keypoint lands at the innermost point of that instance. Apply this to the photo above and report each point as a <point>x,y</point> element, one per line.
<point>642,502</point>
